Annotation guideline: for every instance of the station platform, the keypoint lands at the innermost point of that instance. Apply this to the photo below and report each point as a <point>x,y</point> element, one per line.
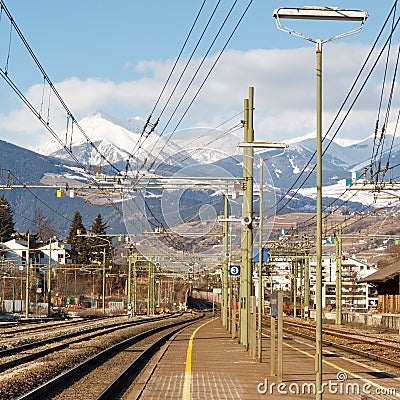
<point>204,362</point>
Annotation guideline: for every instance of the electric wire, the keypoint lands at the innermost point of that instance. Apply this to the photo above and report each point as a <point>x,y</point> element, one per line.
<point>139,144</point>
<point>51,85</point>
<point>53,133</point>
<point>178,82</point>
<point>206,78</point>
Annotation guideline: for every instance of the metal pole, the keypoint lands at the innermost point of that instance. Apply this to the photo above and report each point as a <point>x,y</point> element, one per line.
<point>150,298</point>
<point>295,271</point>
<point>49,283</point>
<point>134,306</point>
<point>27,281</point>
<point>273,346</point>
<point>129,295</point>
<point>306,285</point>
<point>103,307</point>
<point>247,215</point>
<point>339,278</point>
<point>260,263</point>
<point>318,294</point>
<point>225,263</point>
<point>280,338</point>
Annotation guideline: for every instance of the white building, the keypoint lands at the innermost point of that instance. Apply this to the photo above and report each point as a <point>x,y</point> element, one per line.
<point>59,253</point>
<point>355,295</point>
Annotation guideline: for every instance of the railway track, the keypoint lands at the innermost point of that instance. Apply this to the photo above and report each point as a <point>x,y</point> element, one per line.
<point>19,355</point>
<point>109,373</point>
<point>382,350</point>
<point>30,370</point>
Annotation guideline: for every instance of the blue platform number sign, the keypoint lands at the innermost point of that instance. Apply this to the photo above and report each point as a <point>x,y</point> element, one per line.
<point>234,270</point>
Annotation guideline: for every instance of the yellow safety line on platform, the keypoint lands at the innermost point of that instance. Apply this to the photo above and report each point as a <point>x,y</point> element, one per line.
<point>188,370</point>
<point>335,366</point>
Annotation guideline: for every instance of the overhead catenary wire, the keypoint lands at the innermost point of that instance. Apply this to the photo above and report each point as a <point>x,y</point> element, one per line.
<point>138,143</point>
<point>206,77</point>
<point>47,126</point>
<point>50,83</point>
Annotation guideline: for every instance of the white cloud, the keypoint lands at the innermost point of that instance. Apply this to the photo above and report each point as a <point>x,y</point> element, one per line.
<point>284,82</point>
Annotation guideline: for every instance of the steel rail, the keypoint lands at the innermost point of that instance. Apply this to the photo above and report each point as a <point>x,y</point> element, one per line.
<point>67,378</point>
<point>96,331</point>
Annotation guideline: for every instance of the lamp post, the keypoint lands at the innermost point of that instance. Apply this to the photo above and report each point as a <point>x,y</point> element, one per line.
<point>247,245</point>
<point>322,14</point>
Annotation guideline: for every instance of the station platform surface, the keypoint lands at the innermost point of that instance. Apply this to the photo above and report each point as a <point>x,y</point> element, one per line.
<point>204,362</point>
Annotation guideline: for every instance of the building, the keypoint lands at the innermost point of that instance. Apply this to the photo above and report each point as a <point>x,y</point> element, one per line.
<point>387,283</point>
<point>357,295</point>
<point>59,252</point>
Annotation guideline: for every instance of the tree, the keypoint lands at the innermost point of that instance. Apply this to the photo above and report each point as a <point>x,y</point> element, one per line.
<point>99,227</point>
<point>6,220</point>
<point>43,226</point>
<point>99,238</point>
<point>78,243</point>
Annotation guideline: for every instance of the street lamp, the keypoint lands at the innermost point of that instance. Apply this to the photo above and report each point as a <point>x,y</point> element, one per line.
<point>251,145</point>
<point>322,14</point>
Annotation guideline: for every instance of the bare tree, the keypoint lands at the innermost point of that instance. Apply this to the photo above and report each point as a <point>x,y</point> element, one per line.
<point>43,226</point>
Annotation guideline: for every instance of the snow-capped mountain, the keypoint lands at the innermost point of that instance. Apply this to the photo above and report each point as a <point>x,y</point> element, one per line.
<point>115,141</point>
<point>208,150</point>
<point>119,140</point>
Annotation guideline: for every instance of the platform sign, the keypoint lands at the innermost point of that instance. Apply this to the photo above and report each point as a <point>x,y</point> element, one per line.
<point>234,270</point>
<point>274,305</point>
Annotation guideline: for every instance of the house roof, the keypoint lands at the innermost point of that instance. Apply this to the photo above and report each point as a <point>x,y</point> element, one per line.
<point>384,274</point>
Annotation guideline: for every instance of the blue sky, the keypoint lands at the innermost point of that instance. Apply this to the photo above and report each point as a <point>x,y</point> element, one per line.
<point>115,57</point>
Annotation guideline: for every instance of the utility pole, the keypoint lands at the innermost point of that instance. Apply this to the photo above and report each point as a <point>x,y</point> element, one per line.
<point>339,277</point>
<point>150,294</point>
<point>49,283</point>
<point>260,265</point>
<point>306,311</point>
<point>28,264</point>
<point>247,217</point>
<point>295,273</point>
<point>134,305</point>
<point>103,307</point>
<point>225,263</point>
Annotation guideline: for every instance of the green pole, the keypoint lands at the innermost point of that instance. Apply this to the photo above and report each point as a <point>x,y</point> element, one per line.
<point>128,293</point>
<point>134,305</point>
<point>103,307</point>
<point>306,311</point>
<point>243,339</point>
<point>260,263</point>
<point>295,273</point>
<point>27,281</point>
<point>49,283</point>
<point>339,278</point>
<point>247,215</point>
<point>150,297</point>
<point>318,294</point>
<point>225,264</point>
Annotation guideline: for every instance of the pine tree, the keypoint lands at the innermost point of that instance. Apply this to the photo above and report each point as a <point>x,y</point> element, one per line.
<point>99,227</point>
<point>78,243</point>
<point>99,240</point>
<point>6,220</point>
